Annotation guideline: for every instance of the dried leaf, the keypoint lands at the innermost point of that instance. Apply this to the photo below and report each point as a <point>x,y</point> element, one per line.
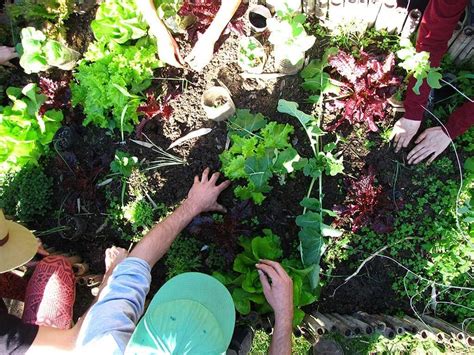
<point>194,134</point>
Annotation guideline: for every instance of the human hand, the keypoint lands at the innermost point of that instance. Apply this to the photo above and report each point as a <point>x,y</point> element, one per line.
<point>113,257</point>
<point>203,194</point>
<point>277,288</point>
<point>6,54</point>
<point>201,54</point>
<point>168,51</point>
<point>433,141</point>
<point>403,131</point>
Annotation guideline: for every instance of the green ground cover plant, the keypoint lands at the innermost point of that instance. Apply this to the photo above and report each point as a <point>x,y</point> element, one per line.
<point>261,344</point>
<point>27,194</point>
<point>259,150</point>
<point>112,88</point>
<point>431,247</point>
<point>244,283</point>
<point>25,132</point>
<point>184,256</point>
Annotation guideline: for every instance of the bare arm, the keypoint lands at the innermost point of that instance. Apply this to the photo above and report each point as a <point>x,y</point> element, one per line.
<point>201,198</point>
<point>279,294</point>
<point>202,52</point>
<point>168,49</point>
<point>51,340</point>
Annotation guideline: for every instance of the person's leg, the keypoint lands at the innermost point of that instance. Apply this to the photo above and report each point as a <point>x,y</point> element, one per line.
<point>50,294</point>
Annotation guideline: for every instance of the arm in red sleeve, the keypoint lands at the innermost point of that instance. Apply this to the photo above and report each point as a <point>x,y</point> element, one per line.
<point>436,28</point>
<point>461,120</point>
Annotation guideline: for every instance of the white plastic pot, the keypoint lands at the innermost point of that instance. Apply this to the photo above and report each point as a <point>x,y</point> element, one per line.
<point>244,43</point>
<point>217,103</point>
<point>258,16</point>
<point>284,65</point>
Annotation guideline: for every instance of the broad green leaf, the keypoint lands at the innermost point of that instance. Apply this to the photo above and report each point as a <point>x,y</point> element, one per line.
<point>267,247</point>
<point>241,301</point>
<point>433,79</point>
<point>312,246</point>
<point>251,282</point>
<point>291,108</point>
<point>258,170</point>
<point>276,135</point>
<point>311,203</point>
<point>244,122</point>
<point>244,263</point>
<point>309,220</point>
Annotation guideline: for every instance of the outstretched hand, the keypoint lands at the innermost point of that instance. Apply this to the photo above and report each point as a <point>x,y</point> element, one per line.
<point>204,193</point>
<point>277,288</point>
<point>168,51</point>
<point>432,142</point>
<point>403,131</point>
<point>201,54</point>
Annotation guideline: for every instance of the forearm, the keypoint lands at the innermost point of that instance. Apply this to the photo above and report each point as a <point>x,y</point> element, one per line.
<point>157,242</point>
<point>223,17</point>
<point>461,120</point>
<point>148,11</point>
<point>281,339</point>
<point>54,341</point>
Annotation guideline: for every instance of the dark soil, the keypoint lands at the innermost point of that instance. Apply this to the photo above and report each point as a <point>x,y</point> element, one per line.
<point>84,161</point>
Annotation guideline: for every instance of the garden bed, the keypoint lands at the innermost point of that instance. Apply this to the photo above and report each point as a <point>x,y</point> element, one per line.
<point>81,197</point>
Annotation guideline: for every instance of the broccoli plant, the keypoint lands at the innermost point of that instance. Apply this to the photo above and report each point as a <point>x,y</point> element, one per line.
<point>259,151</point>
<point>324,161</point>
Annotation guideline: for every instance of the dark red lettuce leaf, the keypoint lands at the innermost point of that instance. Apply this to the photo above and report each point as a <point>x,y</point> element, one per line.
<point>152,108</point>
<point>57,92</point>
<point>225,234</point>
<point>367,205</point>
<point>366,84</point>
<point>204,12</point>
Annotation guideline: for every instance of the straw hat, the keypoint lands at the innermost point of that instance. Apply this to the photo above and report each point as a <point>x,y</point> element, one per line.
<point>17,244</point>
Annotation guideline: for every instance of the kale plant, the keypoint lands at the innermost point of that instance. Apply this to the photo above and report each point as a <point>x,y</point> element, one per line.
<point>311,221</point>
<point>26,132</point>
<point>259,151</point>
<point>365,85</point>
<point>244,283</point>
<point>27,194</point>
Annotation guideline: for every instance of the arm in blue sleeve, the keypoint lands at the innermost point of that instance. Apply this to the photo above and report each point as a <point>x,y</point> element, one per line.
<point>120,306</point>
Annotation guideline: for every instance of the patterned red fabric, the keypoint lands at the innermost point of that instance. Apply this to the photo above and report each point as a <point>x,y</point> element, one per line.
<point>12,286</point>
<point>50,294</point>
